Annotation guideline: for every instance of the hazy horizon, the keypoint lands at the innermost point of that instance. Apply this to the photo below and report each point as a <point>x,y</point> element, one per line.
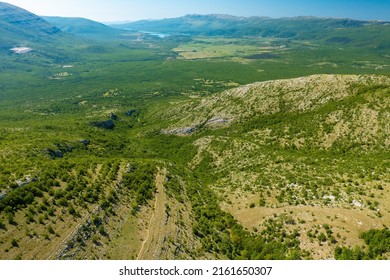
<point>123,11</point>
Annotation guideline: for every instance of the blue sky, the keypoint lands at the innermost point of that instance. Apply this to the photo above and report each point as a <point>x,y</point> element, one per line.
<point>121,10</point>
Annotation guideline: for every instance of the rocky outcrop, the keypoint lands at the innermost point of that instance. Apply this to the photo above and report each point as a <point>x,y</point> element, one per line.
<point>85,142</point>
<point>55,153</point>
<point>131,112</point>
<point>180,131</point>
<point>61,148</point>
<point>3,195</point>
<point>217,121</point>
<point>113,116</point>
<point>108,124</point>
<point>26,180</point>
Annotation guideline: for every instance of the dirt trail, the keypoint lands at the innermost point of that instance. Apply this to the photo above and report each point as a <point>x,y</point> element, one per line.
<point>152,242</point>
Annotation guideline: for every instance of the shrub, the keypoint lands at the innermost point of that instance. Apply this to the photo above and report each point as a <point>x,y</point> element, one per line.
<point>11,218</point>
<point>14,243</point>
<point>50,229</point>
<point>321,237</point>
<point>102,230</point>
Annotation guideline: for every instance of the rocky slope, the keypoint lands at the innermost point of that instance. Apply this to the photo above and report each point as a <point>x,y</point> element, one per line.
<point>337,107</point>
<point>308,156</point>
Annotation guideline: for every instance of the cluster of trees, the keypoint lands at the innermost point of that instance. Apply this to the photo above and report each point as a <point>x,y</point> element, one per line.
<point>20,197</point>
<point>139,179</point>
<point>378,246</point>
<point>174,188</point>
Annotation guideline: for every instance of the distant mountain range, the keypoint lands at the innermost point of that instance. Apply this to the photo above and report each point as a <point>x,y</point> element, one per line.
<point>86,28</point>
<point>226,25</point>
<point>20,28</point>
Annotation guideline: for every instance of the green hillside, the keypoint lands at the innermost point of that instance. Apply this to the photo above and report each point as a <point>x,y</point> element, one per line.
<point>20,27</point>
<point>299,154</point>
<point>86,28</point>
<point>195,146</point>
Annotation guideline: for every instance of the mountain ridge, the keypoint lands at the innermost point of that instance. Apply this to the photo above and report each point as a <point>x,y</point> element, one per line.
<point>85,28</point>
<point>18,26</point>
<point>221,24</point>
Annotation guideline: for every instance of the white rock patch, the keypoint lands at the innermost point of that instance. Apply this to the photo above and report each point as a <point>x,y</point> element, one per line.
<point>21,50</point>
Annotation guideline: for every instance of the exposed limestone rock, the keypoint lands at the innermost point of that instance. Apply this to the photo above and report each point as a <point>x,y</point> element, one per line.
<point>179,131</point>
<point>108,124</point>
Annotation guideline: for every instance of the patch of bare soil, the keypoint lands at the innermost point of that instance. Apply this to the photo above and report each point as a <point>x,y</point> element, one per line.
<point>167,234</point>
<point>346,224</point>
<point>149,248</point>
